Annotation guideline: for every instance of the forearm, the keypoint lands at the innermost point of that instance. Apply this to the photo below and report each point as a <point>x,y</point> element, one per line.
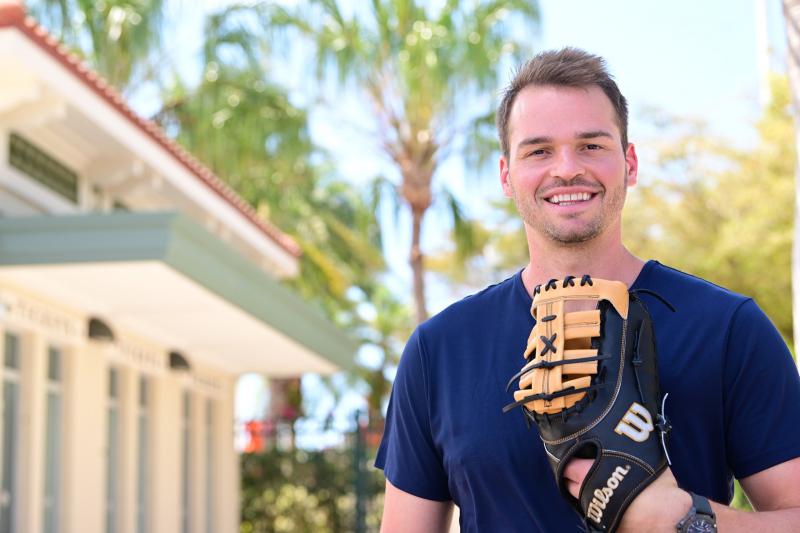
<point>730,520</point>
<point>662,514</point>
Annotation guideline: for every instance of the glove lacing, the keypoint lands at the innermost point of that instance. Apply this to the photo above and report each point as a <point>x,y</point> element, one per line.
<point>586,279</point>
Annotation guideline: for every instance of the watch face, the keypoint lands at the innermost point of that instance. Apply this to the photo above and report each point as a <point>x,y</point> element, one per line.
<point>701,524</point>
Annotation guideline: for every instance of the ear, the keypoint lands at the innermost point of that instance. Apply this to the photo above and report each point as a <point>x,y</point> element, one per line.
<point>505,179</point>
<point>632,164</point>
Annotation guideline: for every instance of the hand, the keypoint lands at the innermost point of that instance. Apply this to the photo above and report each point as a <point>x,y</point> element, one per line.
<point>659,507</point>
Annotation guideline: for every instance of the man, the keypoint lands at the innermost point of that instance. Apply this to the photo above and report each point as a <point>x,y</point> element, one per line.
<point>734,393</point>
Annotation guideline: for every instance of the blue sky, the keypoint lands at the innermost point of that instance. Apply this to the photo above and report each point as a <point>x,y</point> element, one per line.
<point>690,58</point>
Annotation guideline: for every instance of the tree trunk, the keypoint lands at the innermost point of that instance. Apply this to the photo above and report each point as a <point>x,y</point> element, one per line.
<point>417,266</point>
<point>791,14</point>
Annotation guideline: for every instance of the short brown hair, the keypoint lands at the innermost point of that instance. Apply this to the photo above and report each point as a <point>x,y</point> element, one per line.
<point>568,67</point>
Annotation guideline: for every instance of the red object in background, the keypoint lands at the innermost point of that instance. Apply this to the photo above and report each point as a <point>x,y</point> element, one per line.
<point>373,438</point>
<point>255,436</point>
<point>289,412</point>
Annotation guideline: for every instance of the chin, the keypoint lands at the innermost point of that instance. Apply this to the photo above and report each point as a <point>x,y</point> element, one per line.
<point>573,236</point>
<point>568,240</point>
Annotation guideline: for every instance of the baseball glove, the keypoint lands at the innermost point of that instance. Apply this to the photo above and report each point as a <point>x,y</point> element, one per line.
<point>590,384</point>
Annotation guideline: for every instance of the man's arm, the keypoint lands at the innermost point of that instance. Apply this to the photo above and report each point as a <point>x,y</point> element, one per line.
<point>774,493</point>
<point>406,513</point>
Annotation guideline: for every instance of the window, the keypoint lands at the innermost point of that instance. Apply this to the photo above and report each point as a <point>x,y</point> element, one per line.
<point>143,463</point>
<point>11,385</point>
<point>186,426</point>
<point>112,453</point>
<point>52,460</point>
<point>209,466</point>
<point>34,162</point>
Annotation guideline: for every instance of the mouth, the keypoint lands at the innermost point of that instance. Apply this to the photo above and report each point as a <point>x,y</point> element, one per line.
<point>570,199</point>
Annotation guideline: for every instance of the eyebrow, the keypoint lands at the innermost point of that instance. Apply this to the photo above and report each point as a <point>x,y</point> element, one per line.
<point>580,135</point>
<point>593,134</point>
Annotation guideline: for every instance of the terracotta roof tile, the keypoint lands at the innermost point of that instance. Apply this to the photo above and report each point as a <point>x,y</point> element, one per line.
<point>13,14</point>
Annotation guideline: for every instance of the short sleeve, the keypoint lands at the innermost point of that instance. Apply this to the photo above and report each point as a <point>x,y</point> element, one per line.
<point>407,453</point>
<point>762,395</point>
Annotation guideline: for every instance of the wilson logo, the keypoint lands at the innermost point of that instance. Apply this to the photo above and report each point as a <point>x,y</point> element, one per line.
<point>636,424</point>
<point>603,496</point>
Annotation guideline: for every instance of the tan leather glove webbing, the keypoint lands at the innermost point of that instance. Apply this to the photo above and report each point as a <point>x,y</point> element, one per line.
<point>559,337</point>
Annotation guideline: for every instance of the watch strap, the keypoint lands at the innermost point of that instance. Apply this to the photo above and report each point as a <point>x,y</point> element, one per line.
<point>702,505</point>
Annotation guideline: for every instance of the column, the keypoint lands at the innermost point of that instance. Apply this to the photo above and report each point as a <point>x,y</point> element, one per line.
<point>85,429</point>
<point>32,429</point>
<point>226,472</point>
<point>197,462</point>
<point>165,459</point>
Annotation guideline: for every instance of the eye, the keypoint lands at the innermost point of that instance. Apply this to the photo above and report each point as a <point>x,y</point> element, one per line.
<point>593,147</point>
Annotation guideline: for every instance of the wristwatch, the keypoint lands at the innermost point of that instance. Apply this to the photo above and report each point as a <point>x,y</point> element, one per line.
<point>700,518</point>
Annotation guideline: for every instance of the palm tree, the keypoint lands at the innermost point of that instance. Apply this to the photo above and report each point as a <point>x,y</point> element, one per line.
<point>422,70</point>
<point>120,38</point>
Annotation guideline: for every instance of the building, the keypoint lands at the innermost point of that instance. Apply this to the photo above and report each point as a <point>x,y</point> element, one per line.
<point>135,287</point>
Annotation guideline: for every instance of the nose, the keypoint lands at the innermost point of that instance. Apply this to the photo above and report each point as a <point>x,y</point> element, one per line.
<point>566,165</point>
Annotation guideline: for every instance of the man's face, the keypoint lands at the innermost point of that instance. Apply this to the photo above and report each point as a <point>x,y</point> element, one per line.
<point>566,169</point>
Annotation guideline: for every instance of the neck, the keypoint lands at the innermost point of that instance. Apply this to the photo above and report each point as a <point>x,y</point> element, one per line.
<point>603,257</point>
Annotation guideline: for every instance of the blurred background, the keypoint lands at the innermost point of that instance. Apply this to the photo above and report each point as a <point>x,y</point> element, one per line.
<point>220,222</point>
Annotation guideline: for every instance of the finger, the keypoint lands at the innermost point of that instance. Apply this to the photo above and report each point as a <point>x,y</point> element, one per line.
<point>574,474</point>
<point>577,469</point>
<point>573,488</point>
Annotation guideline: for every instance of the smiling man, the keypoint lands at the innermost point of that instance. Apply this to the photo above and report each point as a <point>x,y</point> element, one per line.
<point>734,392</point>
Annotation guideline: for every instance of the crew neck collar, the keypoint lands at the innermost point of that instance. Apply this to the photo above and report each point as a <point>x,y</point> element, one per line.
<point>640,279</point>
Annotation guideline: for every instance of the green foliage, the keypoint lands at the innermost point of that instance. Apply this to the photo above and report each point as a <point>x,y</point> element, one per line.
<point>723,214</point>
<point>386,332</point>
<point>242,124</point>
<point>305,492</point>
<point>465,265</point>
<point>498,247</point>
<point>119,38</point>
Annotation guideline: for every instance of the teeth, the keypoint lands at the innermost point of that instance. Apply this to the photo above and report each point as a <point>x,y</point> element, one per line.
<point>576,197</point>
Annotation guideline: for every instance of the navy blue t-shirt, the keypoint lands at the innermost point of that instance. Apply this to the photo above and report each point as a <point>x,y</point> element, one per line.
<point>734,402</point>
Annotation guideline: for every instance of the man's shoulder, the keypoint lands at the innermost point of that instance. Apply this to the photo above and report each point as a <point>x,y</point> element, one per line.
<point>673,283</point>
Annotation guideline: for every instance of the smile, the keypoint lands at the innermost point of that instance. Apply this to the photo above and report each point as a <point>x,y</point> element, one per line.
<point>569,199</point>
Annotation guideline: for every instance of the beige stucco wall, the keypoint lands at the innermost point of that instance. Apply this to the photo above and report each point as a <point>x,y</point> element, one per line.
<point>39,324</point>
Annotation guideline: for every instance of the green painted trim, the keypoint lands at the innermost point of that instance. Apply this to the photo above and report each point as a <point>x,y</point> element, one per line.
<point>190,250</point>
<point>84,238</point>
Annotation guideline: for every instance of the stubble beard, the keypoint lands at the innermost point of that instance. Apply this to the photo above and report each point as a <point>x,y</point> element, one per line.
<point>612,203</point>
